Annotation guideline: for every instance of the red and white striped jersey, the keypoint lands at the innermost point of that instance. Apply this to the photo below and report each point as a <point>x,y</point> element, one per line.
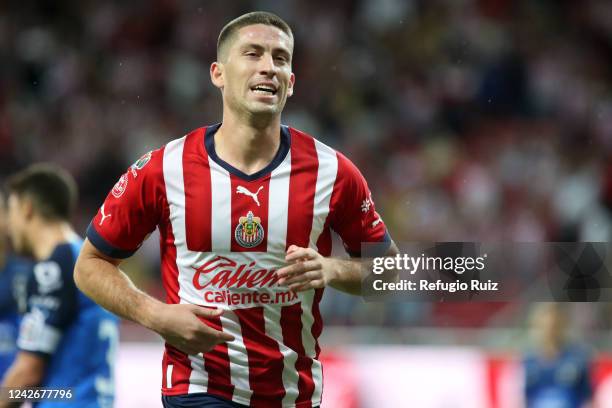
<point>223,235</point>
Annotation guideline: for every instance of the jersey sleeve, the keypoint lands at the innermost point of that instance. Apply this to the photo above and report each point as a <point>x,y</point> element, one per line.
<point>353,213</point>
<point>51,297</point>
<point>132,208</point>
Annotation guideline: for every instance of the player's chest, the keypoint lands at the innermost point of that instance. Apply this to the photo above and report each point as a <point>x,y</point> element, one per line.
<point>220,211</point>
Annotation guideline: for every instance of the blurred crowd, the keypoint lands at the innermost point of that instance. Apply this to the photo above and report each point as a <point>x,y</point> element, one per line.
<point>472,120</point>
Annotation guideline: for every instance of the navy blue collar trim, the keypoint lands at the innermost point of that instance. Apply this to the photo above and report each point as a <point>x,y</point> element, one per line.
<point>283,149</point>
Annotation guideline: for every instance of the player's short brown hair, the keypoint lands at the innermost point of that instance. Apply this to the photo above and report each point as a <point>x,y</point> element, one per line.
<point>255,17</point>
<point>51,189</point>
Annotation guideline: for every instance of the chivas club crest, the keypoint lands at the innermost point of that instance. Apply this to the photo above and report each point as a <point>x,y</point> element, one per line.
<point>249,232</point>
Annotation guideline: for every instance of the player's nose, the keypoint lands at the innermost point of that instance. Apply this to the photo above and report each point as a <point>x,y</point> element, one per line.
<point>266,65</point>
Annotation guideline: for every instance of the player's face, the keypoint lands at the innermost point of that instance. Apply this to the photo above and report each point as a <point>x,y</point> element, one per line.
<point>548,324</point>
<point>256,76</point>
<point>16,224</point>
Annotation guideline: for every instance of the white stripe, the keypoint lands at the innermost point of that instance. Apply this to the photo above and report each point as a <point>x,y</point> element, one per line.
<point>309,343</point>
<point>175,194</point>
<point>290,375</point>
<point>278,203</point>
<point>221,198</point>
<point>317,377</point>
<point>198,379</point>
<point>326,177</point>
<point>238,359</point>
<point>169,375</point>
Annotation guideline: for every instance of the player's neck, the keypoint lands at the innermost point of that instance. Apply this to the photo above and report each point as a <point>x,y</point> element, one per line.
<point>552,348</point>
<point>48,236</point>
<point>249,147</point>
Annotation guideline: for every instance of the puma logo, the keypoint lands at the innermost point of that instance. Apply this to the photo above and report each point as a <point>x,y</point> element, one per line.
<point>245,191</point>
<point>104,216</point>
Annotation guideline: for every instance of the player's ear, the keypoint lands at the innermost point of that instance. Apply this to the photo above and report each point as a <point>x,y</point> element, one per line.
<point>291,83</point>
<point>216,74</point>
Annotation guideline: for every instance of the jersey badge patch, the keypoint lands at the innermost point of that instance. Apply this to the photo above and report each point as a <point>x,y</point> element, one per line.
<point>249,231</point>
<point>140,163</point>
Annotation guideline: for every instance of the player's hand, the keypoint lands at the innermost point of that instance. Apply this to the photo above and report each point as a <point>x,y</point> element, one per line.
<point>180,325</point>
<point>307,269</point>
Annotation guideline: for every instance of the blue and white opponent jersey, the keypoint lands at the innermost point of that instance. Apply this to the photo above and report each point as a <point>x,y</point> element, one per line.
<point>78,337</point>
<point>560,383</point>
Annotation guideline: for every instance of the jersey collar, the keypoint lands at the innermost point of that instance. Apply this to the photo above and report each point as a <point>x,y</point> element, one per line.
<point>281,153</point>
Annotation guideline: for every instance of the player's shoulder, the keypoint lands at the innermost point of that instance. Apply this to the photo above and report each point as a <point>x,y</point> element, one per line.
<point>63,256</point>
<point>346,169</point>
<point>196,135</point>
<point>191,144</point>
<point>51,274</point>
<point>148,162</point>
<point>302,139</point>
<point>148,167</point>
<point>152,160</point>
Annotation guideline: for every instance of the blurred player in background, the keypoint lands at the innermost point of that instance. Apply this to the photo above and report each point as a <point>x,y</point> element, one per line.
<point>244,210</point>
<point>557,373</point>
<point>13,275</point>
<point>65,340</point>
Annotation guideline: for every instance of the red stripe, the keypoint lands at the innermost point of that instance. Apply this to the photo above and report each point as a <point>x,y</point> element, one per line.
<point>167,248</point>
<point>168,264</point>
<point>197,185</point>
<point>180,372</point>
<point>291,323</point>
<point>265,359</point>
<point>165,384</point>
<point>216,363</point>
<point>324,244</point>
<point>302,186</point>
<point>243,203</point>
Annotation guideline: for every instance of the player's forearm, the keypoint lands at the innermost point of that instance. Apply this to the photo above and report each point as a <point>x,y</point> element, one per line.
<point>19,376</point>
<point>112,289</point>
<point>346,276</point>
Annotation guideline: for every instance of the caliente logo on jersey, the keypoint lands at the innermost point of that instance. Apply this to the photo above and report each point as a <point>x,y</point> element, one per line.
<point>249,231</point>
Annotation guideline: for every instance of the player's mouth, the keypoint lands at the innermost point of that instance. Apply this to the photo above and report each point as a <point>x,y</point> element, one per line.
<point>264,89</point>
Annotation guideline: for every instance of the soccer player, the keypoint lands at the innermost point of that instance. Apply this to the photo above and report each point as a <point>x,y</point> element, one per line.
<point>65,341</point>
<point>557,373</point>
<point>244,209</point>
<point>13,273</point>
